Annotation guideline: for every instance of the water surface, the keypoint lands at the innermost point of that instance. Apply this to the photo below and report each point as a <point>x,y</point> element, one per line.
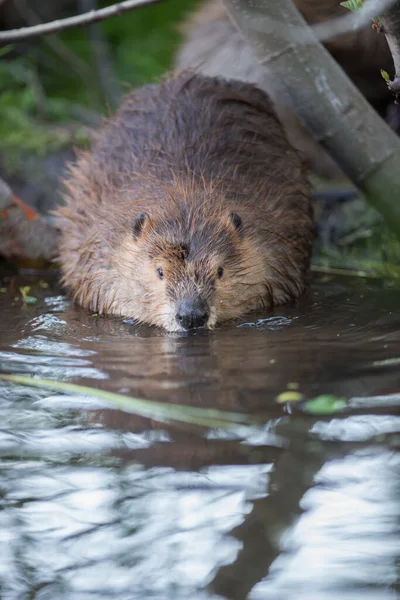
<point>96,503</point>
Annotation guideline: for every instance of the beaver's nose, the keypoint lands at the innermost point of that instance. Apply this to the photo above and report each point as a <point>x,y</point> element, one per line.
<point>192,313</point>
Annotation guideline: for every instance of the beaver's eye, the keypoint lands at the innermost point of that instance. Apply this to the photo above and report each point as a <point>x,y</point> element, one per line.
<point>160,273</point>
<point>220,272</point>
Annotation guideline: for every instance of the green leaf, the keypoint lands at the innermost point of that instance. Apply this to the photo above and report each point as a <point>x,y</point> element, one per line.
<point>353,5</point>
<point>289,396</point>
<point>26,299</point>
<point>326,404</point>
<point>385,76</point>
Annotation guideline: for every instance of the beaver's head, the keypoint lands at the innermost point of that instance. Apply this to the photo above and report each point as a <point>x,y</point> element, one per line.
<point>190,269</point>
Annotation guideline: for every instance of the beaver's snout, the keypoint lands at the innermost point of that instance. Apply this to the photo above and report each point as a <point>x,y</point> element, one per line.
<point>192,312</point>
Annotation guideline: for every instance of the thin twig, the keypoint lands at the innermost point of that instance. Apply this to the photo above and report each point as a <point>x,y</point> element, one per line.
<point>13,35</point>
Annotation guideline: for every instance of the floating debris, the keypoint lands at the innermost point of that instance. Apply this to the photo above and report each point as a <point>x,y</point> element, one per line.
<point>326,404</point>
<point>289,396</point>
<point>26,299</point>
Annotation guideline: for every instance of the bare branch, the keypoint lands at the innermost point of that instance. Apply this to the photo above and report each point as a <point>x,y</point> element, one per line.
<point>13,35</point>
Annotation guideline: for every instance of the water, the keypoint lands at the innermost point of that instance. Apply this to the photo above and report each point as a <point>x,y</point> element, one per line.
<point>96,503</point>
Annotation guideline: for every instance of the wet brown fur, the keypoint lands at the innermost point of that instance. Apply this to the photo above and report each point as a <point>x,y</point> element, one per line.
<point>187,152</point>
<point>214,47</point>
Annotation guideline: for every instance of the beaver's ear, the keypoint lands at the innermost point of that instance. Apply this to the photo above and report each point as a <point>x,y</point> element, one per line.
<point>140,223</point>
<point>236,222</point>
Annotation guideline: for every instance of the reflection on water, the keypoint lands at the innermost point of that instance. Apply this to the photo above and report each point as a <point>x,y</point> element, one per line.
<point>96,503</point>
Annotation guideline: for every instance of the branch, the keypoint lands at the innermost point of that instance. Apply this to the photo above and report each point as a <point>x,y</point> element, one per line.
<point>353,20</point>
<point>325,99</point>
<point>13,35</point>
<point>324,31</point>
<point>390,22</point>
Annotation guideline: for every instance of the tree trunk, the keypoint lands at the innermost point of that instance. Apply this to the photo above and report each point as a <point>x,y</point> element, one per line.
<point>325,99</point>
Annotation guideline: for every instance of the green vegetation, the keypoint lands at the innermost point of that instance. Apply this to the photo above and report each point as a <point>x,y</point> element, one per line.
<point>365,244</point>
<point>43,92</point>
<point>353,5</point>
<point>354,237</point>
<point>326,404</point>
<point>142,45</point>
<point>29,120</point>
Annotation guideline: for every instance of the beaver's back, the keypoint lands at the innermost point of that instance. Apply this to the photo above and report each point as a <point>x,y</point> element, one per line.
<point>191,125</point>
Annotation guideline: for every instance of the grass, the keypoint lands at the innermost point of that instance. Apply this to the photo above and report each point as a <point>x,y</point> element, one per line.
<point>376,255</point>
<point>363,244</point>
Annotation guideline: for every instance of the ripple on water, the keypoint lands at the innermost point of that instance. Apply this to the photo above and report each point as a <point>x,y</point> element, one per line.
<point>272,323</point>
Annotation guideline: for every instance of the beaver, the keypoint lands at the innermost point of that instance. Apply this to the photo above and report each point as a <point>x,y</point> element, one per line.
<point>190,209</point>
<point>213,46</point>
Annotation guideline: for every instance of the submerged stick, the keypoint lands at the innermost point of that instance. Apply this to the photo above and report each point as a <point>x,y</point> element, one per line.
<point>208,417</point>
